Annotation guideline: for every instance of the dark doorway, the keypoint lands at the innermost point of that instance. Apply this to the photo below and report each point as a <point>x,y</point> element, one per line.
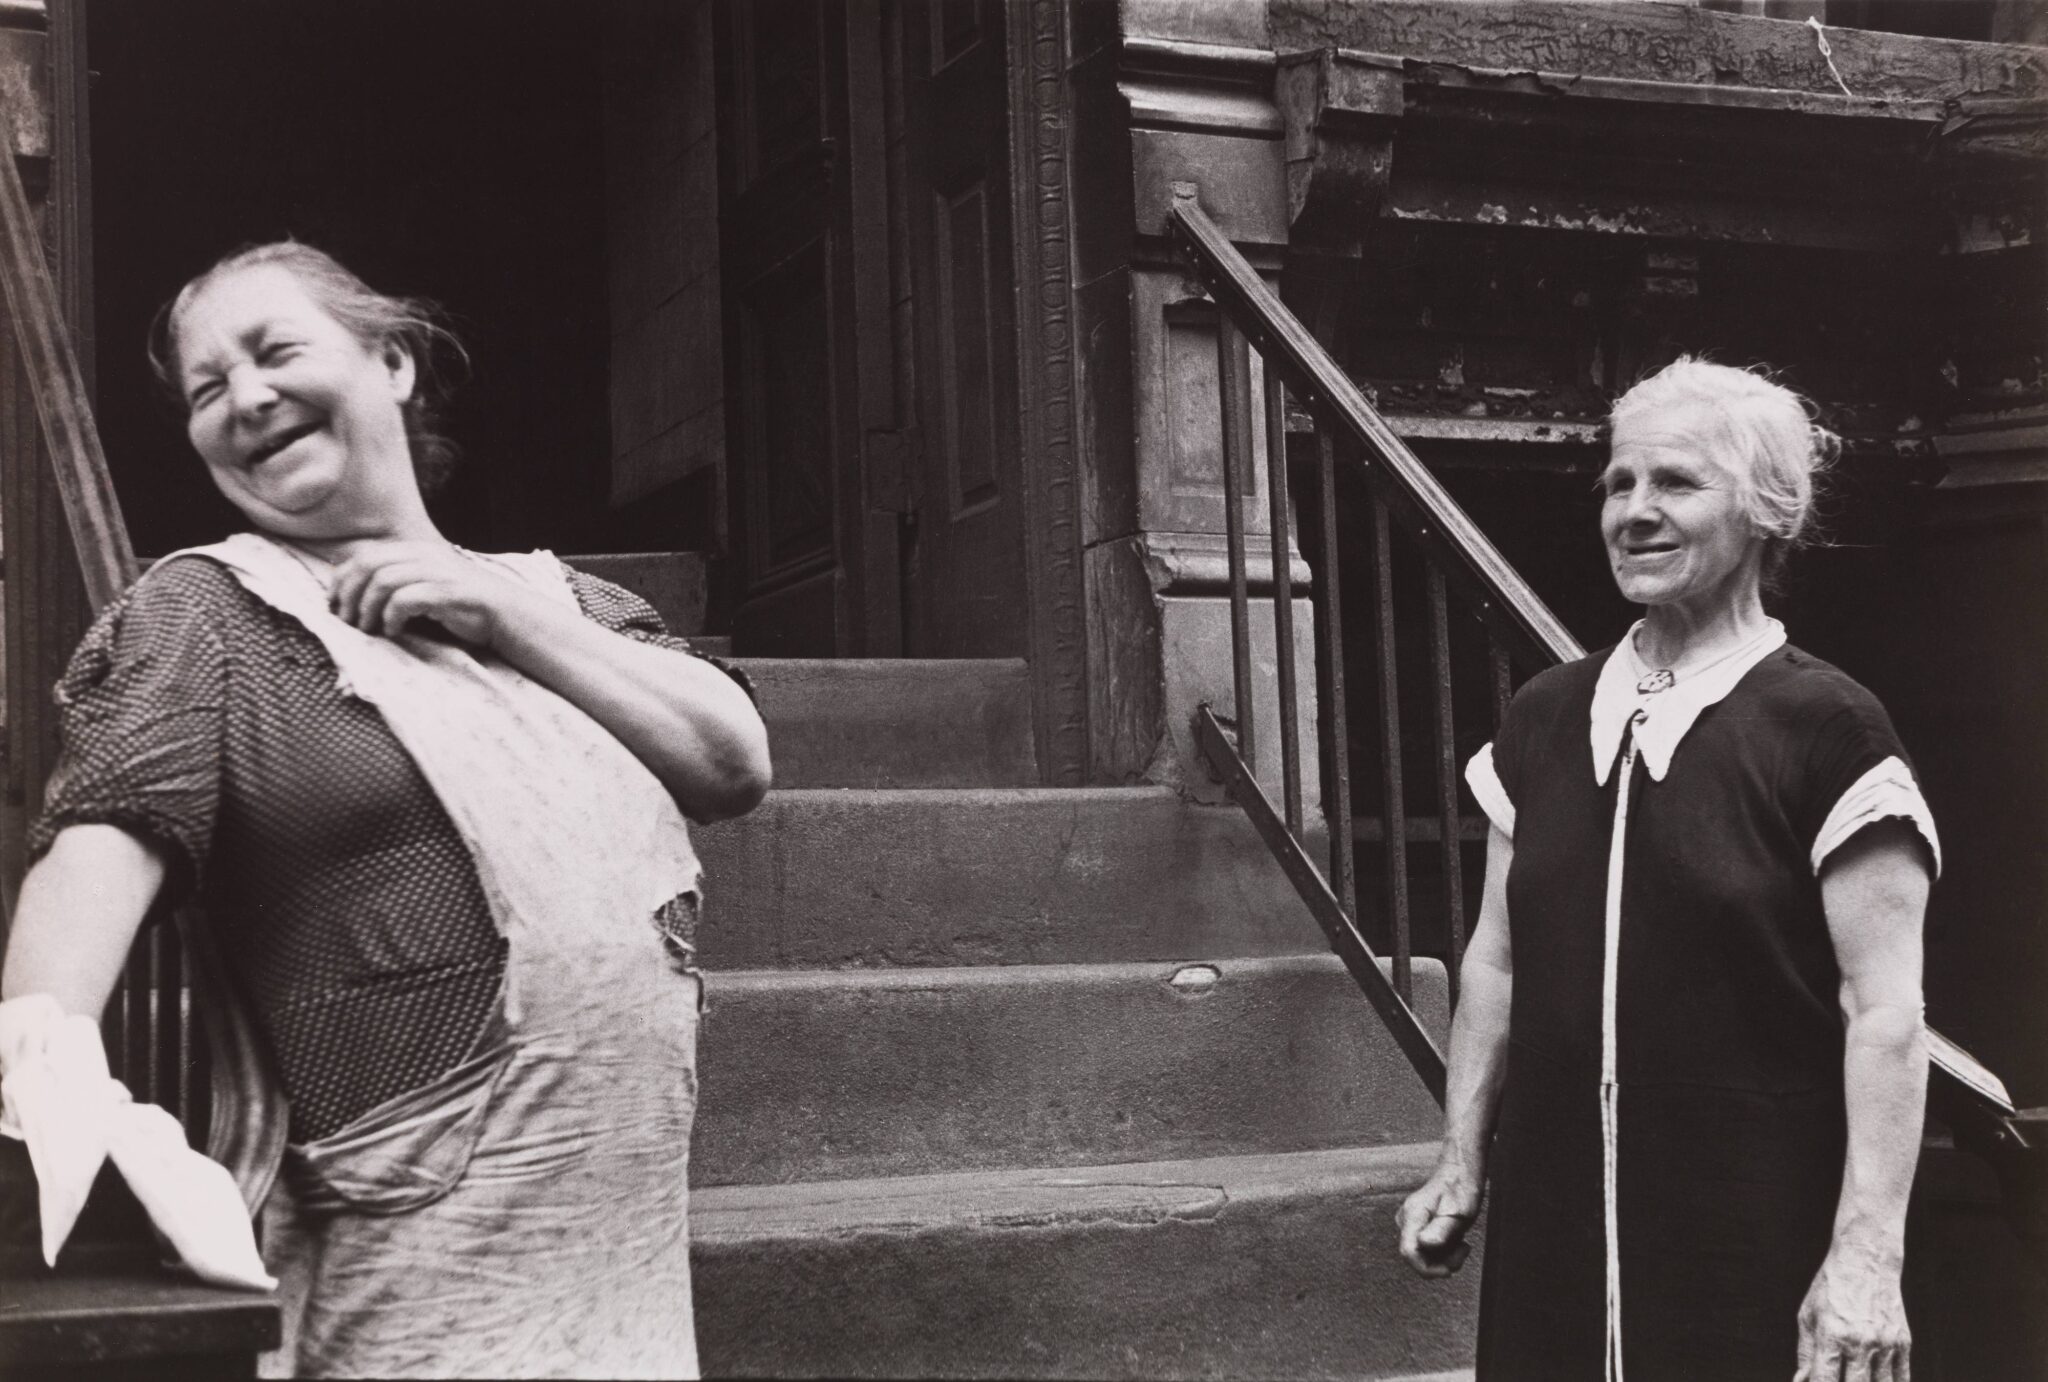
<point>451,149</point>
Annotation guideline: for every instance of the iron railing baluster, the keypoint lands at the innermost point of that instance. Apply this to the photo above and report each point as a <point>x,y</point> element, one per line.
<point>1233,380</point>
<point>1393,800</point>
<point>114,1029</point>
<point>1450,826</point>
<point>1342,932</point>
<point>153,945</point>
<point>1283,602</point>
<point>135,1055</point>
<point>1336,747</point>
<point>1503,678</point>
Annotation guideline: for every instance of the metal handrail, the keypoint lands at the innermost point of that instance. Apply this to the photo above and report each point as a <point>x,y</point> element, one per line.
<point>1399,479</point>
<point>1456,553</point>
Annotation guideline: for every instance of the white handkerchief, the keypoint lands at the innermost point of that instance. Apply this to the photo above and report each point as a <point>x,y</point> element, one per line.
<point>56,1095</point>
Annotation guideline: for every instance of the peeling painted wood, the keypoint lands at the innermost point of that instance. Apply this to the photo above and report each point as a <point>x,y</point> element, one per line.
<point>1630,212</point>
<point>25,89</point>
<point>1660,43</point>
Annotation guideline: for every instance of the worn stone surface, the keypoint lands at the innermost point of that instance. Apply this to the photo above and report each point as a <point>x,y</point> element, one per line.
<point>1196,638</point>
<point>1257,1266</point>
<point>830,878</point>
<point>837,1075</point>
<point>1659,42</point>
<point>897,722</point>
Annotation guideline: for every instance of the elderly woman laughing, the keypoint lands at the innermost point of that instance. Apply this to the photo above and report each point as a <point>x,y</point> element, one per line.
<point>433,801</point>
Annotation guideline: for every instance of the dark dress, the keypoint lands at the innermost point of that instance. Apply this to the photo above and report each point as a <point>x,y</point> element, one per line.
<point>1728,1032</point>
<point>336,888</point>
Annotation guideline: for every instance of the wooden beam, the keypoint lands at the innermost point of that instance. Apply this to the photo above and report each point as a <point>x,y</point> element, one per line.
<point>105,555</point>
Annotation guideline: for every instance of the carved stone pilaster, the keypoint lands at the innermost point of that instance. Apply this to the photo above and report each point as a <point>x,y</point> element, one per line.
<point>1040,105</point>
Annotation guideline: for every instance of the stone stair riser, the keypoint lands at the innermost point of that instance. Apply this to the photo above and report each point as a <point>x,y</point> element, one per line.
<point>1239,1268</point>
<point>897,722</point>
<point>821,879</point>
<point>838,1075</point>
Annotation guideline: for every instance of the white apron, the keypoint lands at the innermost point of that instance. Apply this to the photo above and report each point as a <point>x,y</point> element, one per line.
<point>527,1213</point>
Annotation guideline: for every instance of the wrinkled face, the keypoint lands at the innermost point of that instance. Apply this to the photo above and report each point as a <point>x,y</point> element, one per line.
<point>1672,516</point>
<point>298,422</point>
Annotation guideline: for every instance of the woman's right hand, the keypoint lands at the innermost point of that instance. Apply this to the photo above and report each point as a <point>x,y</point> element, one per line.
<point>1434,1221</point>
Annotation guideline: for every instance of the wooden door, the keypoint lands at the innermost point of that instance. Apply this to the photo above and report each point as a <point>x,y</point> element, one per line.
<point>791,382</point>
<point>963,541</point>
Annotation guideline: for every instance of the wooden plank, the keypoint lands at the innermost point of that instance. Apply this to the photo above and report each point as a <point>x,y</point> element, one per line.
<point>141,1313</point>
<point>98,532</point>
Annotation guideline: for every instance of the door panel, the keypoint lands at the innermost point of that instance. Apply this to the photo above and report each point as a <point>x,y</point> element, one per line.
<point>964,588</point>
<point>783,234</point>
<point>789,443</point>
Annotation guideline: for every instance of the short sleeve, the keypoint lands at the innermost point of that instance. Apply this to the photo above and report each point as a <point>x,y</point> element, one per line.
<point>1494,773</point>
<point>142,720</point>
<point>1488,790</point>
<point>623,612</point>
<point>1857,773</point>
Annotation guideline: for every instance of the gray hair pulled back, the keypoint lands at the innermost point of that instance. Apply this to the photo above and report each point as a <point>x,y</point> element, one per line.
<point>1761,432</point>
<point>417,325</point>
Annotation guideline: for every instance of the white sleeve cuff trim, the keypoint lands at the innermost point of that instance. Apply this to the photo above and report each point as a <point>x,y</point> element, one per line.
<point>1886,791</point>
<point>1492,797</point>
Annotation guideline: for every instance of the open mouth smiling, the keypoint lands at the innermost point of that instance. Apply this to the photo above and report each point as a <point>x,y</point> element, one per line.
<point>278,442</point>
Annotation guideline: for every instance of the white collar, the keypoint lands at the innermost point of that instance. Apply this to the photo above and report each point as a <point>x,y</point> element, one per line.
<point>1667,715</point>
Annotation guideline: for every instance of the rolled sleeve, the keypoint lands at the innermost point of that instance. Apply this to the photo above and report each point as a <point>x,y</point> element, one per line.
<point>1489,793</point>
<point>623,612</point>
<point>141,719</point>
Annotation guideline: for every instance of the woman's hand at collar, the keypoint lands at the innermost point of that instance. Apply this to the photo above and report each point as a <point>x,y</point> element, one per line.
<point>386,584</point>
<point>689,723</point>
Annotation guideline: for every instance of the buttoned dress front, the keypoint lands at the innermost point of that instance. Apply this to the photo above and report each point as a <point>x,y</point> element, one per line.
<point>1670,1141</point>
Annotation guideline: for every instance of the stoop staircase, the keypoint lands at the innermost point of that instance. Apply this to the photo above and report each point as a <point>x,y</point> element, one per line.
<point>1003,1080</point>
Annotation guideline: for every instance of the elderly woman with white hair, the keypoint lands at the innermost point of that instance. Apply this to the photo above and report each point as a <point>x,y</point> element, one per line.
<point>1690,1061</point>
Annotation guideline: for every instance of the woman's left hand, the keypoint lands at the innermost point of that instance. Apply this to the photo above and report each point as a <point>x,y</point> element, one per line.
<point>386,584</point>
<point>1852,1325</point>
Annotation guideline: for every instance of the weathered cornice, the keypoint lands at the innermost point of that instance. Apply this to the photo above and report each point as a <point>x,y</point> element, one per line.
<point>1663,44</point>
<point>1386,135</point>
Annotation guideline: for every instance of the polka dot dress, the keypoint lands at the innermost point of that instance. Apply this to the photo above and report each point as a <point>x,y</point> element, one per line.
<point>339,893</point>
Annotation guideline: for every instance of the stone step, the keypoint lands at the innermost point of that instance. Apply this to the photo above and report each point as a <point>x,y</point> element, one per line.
<point>832,1075</point>
<point>673,582</point>
<point>897,722</point>
<point>1252,1266</point>
<point>821,879</point>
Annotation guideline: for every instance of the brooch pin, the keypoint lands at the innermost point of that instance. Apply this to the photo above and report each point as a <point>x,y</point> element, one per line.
<point>1663,679</point>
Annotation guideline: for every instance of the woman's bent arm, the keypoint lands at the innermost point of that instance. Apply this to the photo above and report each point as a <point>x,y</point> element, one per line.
<point>1434,1219</point>
<point>1875,891</point>
<point>80,908</point>
<point>689,722</point>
